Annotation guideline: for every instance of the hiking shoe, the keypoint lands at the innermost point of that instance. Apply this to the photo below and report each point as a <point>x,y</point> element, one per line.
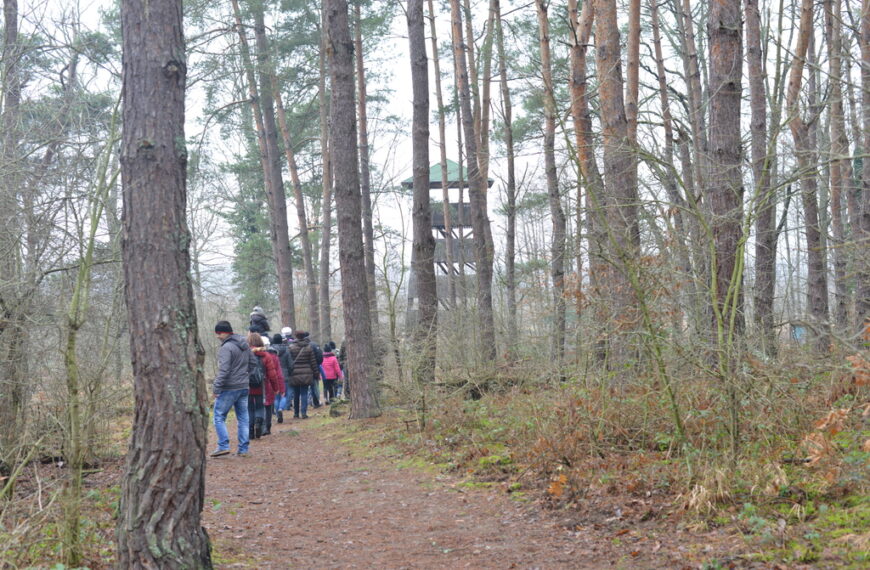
<point>219,452</point>
<point>304,416</point>
<point>280,417</point>
<point>242,454</point>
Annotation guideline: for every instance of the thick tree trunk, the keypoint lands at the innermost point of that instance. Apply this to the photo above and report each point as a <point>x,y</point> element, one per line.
<point>365,173</point>
<point>477,197</point>
<point>511,206</point>
<point>764,199</point>
<point>620,177</point>
<point>442,147</point>
<point>725,181</point>
<point>817,288</point>
<point>14,303</point>
<point>278,230</point>
<point>301,217</point>
<point>424,243</point>
<point>323,97</point>
<point>557,246</point>
<point>355,301</point>
<point>163,490</point>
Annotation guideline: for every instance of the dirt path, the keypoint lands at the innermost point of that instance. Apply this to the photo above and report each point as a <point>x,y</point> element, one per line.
<point>302,500</point>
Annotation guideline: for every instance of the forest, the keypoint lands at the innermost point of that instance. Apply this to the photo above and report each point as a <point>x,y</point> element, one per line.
<point>599,271</point>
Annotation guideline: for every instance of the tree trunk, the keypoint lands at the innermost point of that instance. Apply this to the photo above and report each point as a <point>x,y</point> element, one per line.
<point>278,230</point>
<point>326,201</point>
<point>486,98</point>
<point>557,246</point>
<point>581,31</point>
<point>725,181</point>
<point>13,318</point>
<point>355,301</point>
<point>620,177</point>
<point>477,197</point>
<point>511,207</point>
<point>862,301</point>
<point>163,490</point>
<point>840,166</point>
<point>301,217</point>
<point>365,174</point>
<point>424,244</point>
<point>817,288</point>
<point>679,206</point>
<point>765,204</point>
<point>632,69</point>
<point>442,147</point>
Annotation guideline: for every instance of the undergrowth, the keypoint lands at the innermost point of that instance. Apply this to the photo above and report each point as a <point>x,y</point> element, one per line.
<point>797,489</point>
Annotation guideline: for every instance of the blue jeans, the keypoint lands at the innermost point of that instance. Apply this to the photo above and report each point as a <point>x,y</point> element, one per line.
<point>237,400</point>
<point>300,399</point>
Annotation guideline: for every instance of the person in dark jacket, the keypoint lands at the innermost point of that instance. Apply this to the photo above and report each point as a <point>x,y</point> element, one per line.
<point>318,354</point>
<point>231,388</point>
<point>273,387</point>
<point>305,368</point>
<point>256,406</point>
<point>259,322</point>
<point>286,368</point>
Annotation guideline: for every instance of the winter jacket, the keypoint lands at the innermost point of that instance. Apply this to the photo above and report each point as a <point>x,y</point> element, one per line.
<point>233,361</point>
<point>305,368</point>
<point>285,360</point>
<point>259,323</point>
<point>274,381</point>
<point>331,369</point>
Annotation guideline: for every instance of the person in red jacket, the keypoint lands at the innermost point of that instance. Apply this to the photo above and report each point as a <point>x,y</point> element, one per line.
<point>331,372</point>
<point>273,383</point>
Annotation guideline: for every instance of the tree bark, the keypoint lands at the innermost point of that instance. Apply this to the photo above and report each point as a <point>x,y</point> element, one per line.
<point>424,243</point>
<point>620,176</point>
<point>327,175</point>
<point>862,301</point>
<point>278,230</point>
<point>442,147</point>
<point>840,166</point>
<point>163,490</point>
<point>817,288</point>
<point>557,245</point>
<point>632,69</point>
<point>725,181</point>
<point>365,174</point>
<point>511,207</point>
<point>477,197</point>
<point>301,216</point>
<point>764,199</point>
<point>581,31</point>
<point>357,321</point>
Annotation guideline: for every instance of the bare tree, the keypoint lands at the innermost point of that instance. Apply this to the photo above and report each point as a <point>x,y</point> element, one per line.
<point>323,99</point>
<point>355,300</point>
<point>163,491</point>
<point>817,285</point>
<point>862,305</point>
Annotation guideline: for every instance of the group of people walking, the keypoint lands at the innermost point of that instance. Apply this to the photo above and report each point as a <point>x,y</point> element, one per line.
<point>261,377</point>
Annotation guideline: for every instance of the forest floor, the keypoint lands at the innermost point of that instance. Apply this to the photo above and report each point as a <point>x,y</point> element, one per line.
<point>312,495</point>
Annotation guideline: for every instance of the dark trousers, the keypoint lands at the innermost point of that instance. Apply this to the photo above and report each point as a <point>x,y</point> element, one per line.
<point>300,400</point>
<point>315,397</point>
<point>328,390</point>
<point>268,410</point>
<point>256,414</point>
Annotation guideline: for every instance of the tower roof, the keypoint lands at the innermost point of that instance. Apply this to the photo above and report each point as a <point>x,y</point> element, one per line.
<point>454,173</point>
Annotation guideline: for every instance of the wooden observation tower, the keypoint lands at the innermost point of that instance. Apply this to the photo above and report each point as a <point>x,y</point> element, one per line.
<point>456,231</point>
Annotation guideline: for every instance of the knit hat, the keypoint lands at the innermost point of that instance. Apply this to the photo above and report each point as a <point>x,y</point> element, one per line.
<point>286,332</point>
<point>258,309</point>
<point>265,338</point>
<point>223,327</point>
<point>277,339</point>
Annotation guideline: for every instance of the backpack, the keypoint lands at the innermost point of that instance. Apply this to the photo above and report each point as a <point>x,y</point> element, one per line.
<point>256,372</point>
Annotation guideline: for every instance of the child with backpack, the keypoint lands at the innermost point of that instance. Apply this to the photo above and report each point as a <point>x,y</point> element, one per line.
<point>331,372</point>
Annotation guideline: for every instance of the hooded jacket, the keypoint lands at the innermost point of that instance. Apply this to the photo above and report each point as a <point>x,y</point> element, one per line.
<point>285,359</point>
<point>274,381</point>
<point>233,361</point>
<point>305,367</point>
<point>331,369</point>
